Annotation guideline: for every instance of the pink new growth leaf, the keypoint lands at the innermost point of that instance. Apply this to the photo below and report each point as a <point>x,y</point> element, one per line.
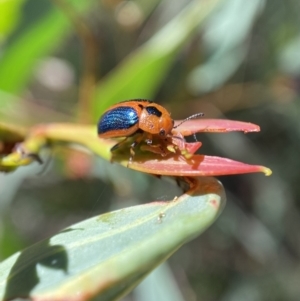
<point>198,165</point>
<point>215,126</point>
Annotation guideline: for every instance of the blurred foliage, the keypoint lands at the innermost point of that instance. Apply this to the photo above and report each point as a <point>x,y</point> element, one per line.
<point>241,61</point>
<point>10,12</point>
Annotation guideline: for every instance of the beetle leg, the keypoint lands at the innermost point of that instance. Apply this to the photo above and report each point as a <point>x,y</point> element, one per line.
<point>156,149</point>
<point>148,138</point>
<point>148,141</point>
<point>132,153</point>
<point>133,145</point>
<point>118,145</point>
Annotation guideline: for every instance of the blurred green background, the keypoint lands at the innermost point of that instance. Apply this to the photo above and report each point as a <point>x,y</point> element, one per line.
<point>66,61</point>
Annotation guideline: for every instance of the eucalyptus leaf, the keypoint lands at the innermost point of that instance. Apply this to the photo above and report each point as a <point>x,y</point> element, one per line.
<point>108,255</point>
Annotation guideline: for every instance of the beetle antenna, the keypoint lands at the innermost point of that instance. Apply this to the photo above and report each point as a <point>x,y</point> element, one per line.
<point>189,118</point>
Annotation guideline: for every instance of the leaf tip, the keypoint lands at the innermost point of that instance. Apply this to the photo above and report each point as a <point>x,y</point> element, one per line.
<point>266,171</point>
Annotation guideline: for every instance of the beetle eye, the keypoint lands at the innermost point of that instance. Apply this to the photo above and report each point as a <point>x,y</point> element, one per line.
<point>162,132</point>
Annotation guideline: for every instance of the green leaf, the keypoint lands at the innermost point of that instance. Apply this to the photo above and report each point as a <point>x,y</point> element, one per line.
<point>143,71</point>
<point>9,16</point>
<point>11,133</point>
<point>43,37</point>
<point>110,254</point>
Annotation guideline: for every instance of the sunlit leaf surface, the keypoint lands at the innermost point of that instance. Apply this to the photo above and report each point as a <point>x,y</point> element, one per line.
<point>108,255</point>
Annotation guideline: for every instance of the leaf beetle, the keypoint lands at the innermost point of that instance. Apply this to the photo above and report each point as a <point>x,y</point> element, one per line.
<point>144,118</point>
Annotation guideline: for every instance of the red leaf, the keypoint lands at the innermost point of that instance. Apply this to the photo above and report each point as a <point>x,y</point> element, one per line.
<point>188,164</point>
<point>214,125</point>
<point>198,165</point>
<point>192,147</point>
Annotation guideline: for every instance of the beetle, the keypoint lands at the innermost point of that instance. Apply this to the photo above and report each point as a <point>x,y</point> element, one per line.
<point>138,116</point>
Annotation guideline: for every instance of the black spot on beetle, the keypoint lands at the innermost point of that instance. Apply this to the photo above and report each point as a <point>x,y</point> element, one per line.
<point>153,111</point>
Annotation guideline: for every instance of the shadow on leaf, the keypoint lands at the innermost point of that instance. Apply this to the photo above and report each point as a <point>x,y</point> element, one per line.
<point>23,276</point>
